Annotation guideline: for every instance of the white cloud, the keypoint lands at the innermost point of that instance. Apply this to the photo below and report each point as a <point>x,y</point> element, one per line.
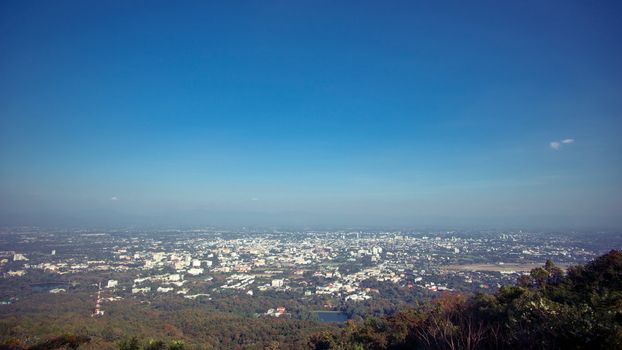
<point>114,198</point>
<point>254,199</point>
<point>557,145</point>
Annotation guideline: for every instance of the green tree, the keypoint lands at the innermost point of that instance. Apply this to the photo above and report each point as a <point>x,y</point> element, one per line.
<point>176,345</point>
<point>129,344</point>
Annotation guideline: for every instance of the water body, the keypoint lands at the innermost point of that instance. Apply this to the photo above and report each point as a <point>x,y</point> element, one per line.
<point>46,287</point>
<point>331,316</point>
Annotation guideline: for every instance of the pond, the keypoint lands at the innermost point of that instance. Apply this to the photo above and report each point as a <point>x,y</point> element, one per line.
<point>331,316</point>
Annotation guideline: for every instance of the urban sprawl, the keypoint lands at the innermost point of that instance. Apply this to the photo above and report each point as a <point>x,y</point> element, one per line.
<point>347,266</point>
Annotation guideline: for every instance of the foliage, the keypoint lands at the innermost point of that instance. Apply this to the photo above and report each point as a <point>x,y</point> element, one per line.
<point>134,344</point>
<point>65,341</point>
<point>544,310</point>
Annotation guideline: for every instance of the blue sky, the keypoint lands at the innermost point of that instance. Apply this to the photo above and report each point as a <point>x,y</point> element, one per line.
<point>311,113</point>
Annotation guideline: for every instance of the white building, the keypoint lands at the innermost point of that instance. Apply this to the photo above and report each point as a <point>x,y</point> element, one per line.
<point>17,273</point>
<point>19,257</point>
<point>112,283</point>
<point>195,271</point>
<point>277,283</point>
<point>174,277</point>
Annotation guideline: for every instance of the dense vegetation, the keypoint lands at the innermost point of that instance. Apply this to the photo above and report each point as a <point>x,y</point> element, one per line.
<point>198,328</point>
<point>581,309</point>
<point>545,310</point>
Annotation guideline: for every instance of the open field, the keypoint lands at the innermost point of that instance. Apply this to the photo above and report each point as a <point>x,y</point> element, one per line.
<point>503,268</point>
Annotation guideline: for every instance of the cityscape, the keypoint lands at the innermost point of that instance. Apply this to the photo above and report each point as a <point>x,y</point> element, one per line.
<point>334,267</point>
<point>310,175</point>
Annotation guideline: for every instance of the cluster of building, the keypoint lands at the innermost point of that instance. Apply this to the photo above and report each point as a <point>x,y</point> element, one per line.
<point>337,264</point>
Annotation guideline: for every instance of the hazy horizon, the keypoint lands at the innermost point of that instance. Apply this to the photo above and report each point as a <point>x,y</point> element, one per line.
<point>311,114</point>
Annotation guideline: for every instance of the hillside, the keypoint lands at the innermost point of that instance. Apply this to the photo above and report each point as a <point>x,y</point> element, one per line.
<point>548,309</point>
